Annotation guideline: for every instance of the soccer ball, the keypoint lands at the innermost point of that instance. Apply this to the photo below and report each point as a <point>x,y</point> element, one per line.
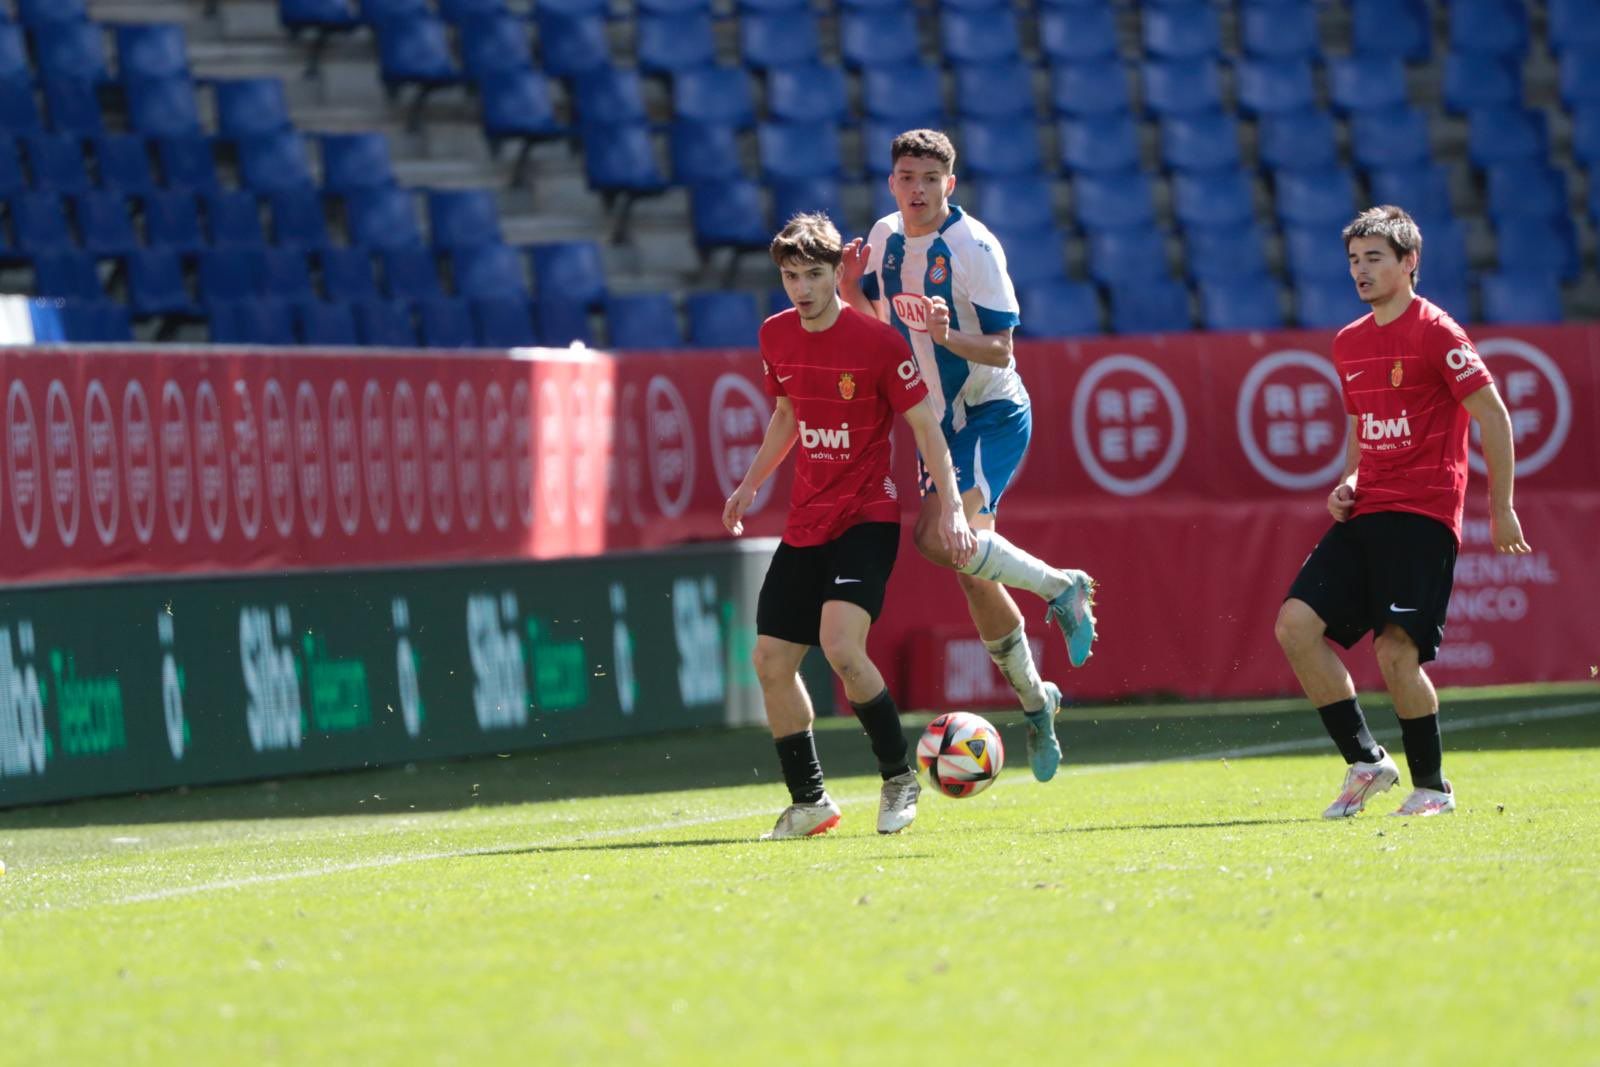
<point>962,753</point>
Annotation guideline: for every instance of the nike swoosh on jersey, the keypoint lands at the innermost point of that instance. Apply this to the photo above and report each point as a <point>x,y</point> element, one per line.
<point>1347,377</point>
<point>781,378</point>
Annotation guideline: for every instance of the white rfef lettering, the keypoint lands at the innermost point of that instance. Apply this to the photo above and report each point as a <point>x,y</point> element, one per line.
<point>500,689</point>
<point>271,679</point>
<point>1376,429</point>
<point>824,437</point>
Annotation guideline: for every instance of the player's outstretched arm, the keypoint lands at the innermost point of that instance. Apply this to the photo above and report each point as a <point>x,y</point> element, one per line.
<point>1499,455</point>
<point>989,349</point>
<point>780,437</point>
<point>954,533</point>
<point>851,268</point>
<point>1343,497</point>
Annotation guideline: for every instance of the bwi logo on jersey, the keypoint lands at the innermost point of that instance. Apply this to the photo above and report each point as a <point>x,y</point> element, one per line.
<point>1376,429</point>
<point>847,386</point>
<point>825,437</point>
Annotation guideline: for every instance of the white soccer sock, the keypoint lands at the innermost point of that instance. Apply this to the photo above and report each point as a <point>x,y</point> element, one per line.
<point>1015,660</point>
<point>998,560</point>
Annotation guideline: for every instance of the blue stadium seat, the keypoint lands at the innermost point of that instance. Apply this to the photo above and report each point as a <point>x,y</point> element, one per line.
<point>482,271</point>
<point>1181,31</point>
<point>778,301</point>
<point>1454,298</point>
<point>670,43</point>
<point>1243,302</point>
<point>1223,253</point>
<point>1571,25</point>
<point>376,11</point>
<point>1175,86</point>
<point>74,106</point>
<point>285,274</point>
<point>1499,135</point>
<point>808,92</point>
<point>876,137</point>
<point>352,161</point>
<point>13,52</point>
<point>1109,201</point>
<point>347,274</point>
<point>1000,147</point>
<point>19,111</point>
<point>1016,203</point>
<point>1200,141</point>
<point>11,179</point>
<point>327,323</point>
<point>910,93</point>
<point>298,220</point>
<point>56,162</point>
<point>1499,27</point>
<point>1444,250</point>
<point>1390,138</point>
<point>494,44</point>
<point>880,37</point>
<point>1425,185</point>
<point>1101,144</point>
<point>622,159</point>
<point>714,94</point>
<point>458,218</point>
<point>274,162</point>
<point>124,163</point>
<point>96,321</point>
<point>1314,254</point>
<point>675,7</point>
<point>1083,33</point>
<point>415,51</point>
<point>233,220</point>
<point>562,323</point>
<point>446,322</point>
<point>261,321</point>
<point>504,322</point>
<point>172,221</point>
<point>1401,28</point>
<point>994,91</point>
<point>1157,306</point>
<point>571,44</point>
<point>1517,296</point>
<point>1537,246</point>
<point>461,12</point>
<point>1134,254</point>
<point>1580,77</point>
<point>251,107</point>
<point>187,162</point>
<point>1059,308</point>
<point>722,319</point>
<point>40,14</point>
<point>643,321</point>
<point>384,324</point>
<point>785,38</point>
<point>1090,87</point>
<point>104,223</point>
<point>72,49</point>
<point>1315,198</point>
<point>980,36</point>
<point>1274,86</point>
<point>382,218</point>
<point>704,152</point>
<point>569,271</point>
<point>1586,134</point>
<point>1327,305</point>
<point>39,223</point>
<point>518,104</point>
<point>1370,82</point>
<point>1527,188</point>
<point>792,196</point>
<point>163,107</point>
<point>323,15</point>
<point>1213,198</point>
<point>67,275</point>
<point>1302,140</point>
<point>1594,196</point>
<point>1274,30</point>
<point>799,150</point>
<point>608,96</point>
<point>151,50</point>
<point>410,274</point>
<point>156,285</point>
<point>729,215</point>
<point>1475,79</point>
<point>1033,255</point>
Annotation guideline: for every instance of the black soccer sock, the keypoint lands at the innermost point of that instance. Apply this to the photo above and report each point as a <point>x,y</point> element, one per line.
<point>1348,728</point>
<point>1424,751</point>
<point>881,720</point>
<point>802,772</point>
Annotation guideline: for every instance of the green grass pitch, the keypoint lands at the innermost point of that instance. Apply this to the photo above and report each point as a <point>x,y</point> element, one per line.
<point>1172,898</point>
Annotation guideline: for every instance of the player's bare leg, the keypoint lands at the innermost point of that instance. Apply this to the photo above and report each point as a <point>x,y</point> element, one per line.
<point>790,715</point>
<point>1416,704</point>
<point>1301,633</point>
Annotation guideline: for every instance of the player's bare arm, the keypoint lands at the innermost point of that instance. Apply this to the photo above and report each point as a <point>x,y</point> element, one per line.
<point>989,349</point>
<point>851,268</point>
<point>1499,455</point>
<point>780,437</point>
<point>954,533</point>
<point>1343,497</point>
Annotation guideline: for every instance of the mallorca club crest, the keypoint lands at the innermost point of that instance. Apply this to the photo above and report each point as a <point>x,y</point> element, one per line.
<point>1396,374</point>
<point>847,385</point>
<point>939,271</point>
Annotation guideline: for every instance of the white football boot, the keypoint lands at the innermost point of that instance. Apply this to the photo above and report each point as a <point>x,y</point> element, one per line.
<point>1426,802</point>
<point>897,803</point>
<point>805,820</point>
<point>1361,781</point>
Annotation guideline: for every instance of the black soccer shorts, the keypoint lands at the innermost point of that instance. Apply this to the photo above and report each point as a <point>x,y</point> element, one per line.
<point>853,567</point>
<point>1378,568</point>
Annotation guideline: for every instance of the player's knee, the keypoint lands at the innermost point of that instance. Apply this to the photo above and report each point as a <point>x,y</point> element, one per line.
<point>844,653</point>
<point>1396,653</point>
<point>771,668</point>
<point>926,536</point>
<point>1297,626</point>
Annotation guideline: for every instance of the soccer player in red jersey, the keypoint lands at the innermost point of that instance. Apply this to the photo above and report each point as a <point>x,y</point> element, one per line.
<point>837,379</point>
<point>1412,383</point>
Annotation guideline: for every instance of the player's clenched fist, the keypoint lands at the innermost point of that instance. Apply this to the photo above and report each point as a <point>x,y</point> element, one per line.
<point>1341,500</point>
<point>938,320</point>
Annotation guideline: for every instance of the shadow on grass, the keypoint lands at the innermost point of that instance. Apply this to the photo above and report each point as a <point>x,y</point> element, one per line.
<point>1222,824</point>
<point>723,759</point>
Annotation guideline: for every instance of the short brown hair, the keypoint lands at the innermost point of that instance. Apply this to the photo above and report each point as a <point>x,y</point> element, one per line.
<point>923,144</point>
<point>810,238</point>
<point>1393,225</point>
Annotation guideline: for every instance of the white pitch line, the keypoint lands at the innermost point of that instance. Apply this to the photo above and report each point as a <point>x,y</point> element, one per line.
<point>1508,718</point>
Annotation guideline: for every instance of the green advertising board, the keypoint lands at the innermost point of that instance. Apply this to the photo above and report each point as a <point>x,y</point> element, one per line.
<point>143,685</point>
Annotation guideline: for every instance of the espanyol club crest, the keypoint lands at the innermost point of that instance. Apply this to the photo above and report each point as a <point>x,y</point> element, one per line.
<point>1396,374</point>
<point>938,272</point>
<point>847,385</point>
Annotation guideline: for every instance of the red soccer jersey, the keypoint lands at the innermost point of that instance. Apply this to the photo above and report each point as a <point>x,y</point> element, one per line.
<point>845,384</point>
<point>1404,383</point>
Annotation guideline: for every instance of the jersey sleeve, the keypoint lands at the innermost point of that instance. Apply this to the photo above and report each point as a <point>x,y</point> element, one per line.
<point>901,378</point>
<point>871,285</point>
<point>988,286</point>
<point>1341,351</point>
<point>769,379</point>
<point>1447,349</point>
